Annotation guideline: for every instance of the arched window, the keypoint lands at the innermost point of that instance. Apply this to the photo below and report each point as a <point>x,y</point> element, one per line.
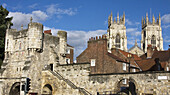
<point>117,41</point>
<point>47,90</point>
<point>153,41</point>
<point>20,45</point>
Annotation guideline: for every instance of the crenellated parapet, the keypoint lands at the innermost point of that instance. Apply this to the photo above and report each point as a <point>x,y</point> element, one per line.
<point>145,21</point>
<point>117,20</point>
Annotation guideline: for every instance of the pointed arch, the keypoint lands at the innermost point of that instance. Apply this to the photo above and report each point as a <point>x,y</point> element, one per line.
<point>153,41</point>
<point>47,90</point>
<point>15,89</point>
<point>117,44</point>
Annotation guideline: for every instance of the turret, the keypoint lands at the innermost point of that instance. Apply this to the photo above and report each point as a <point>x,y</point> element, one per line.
<point>62,46</point>
<point>35,35</point>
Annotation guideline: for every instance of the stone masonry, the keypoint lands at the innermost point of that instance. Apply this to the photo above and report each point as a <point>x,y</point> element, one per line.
<point>30,53</point>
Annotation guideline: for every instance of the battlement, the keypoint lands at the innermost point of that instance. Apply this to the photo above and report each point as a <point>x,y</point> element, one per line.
<point>97,38</point>
<point>145,21</point>
<point>120,20</point>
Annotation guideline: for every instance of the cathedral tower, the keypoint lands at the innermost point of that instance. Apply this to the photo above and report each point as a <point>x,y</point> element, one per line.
<point>151,33</point>
<point>116,33</point>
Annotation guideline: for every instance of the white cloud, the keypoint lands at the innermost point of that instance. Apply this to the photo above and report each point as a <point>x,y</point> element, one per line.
<point>131,41</point>
<point>77,38</point>
<point>33,5</point>
<point>54,9</point>
<point>136,33</point>
<point>166,26</point>
<point>128,22</point>
<point>4,5</point>
<point>20,18</point>
<point>39,15</point>
<point>128,30</point>
<point>167,39</point>
<point>166,18</point>
<point>133,31</point>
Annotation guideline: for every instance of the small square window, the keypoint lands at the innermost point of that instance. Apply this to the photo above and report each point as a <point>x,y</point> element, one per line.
<point>93,62</point>
<point>68,51</point>
<point>124,66</point>
<point>124,81</point>
<point>133,70</point>
<point>68,61</point>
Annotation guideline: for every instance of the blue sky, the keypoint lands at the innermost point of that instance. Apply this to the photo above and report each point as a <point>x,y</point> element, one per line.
<point>83,19</point>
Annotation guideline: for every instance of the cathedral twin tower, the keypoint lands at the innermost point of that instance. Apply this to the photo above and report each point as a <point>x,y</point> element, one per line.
<point>151,33</point>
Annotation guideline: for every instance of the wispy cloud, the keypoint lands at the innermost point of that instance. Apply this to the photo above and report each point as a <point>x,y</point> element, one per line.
<point>133,31</point>
<point>166,18</point>
<point>128,22</point>
<point>166,26</point>
<point>167,39</point>
<point>128,30</point>
<point>33,6</point>
<point>4,5</point>
<point>54,9</point>
<point>131,41</point>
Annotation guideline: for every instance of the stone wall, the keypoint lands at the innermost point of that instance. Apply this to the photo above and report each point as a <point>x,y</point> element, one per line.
<point>146,82</point>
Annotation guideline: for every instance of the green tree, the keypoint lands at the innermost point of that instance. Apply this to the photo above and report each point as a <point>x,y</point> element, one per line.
<point>5,22</point>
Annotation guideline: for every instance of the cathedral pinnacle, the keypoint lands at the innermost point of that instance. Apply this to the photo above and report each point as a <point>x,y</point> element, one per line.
<point>147,20</point>
<point>111,13</point>
<point>153,19</point>
<point>159,19</point>
<point>136,43</point>
<point>114,20</point>
<point>22,27</point>
<point>118,17</point>
<point>31,19</point>
<point>124,18</point>
<point>142,20</point>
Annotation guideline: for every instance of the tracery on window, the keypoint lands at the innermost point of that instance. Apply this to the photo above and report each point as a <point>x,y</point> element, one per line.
<point>117,41</point>
<point>153,41</point>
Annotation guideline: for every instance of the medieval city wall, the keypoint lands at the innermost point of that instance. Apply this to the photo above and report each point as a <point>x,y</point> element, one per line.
<point>156,83</point>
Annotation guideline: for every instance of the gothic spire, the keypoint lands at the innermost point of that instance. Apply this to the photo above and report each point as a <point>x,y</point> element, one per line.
<point>136,43</point>
<point>147,20</point>
<point>124,18</point>
<point>153,19</point>
<point>114,20</point>
<point>22,27</point>
<point>118,17</point>
<point>159,19</point>
<point>31,20</point>
<point>142,20</point>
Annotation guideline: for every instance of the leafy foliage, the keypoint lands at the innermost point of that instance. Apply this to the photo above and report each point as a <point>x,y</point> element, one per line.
<point>5,22</point>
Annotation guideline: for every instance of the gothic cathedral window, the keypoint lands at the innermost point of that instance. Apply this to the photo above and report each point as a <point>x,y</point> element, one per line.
<point>153,41</point>
<point>117,41</point>
<point>20,45</point>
